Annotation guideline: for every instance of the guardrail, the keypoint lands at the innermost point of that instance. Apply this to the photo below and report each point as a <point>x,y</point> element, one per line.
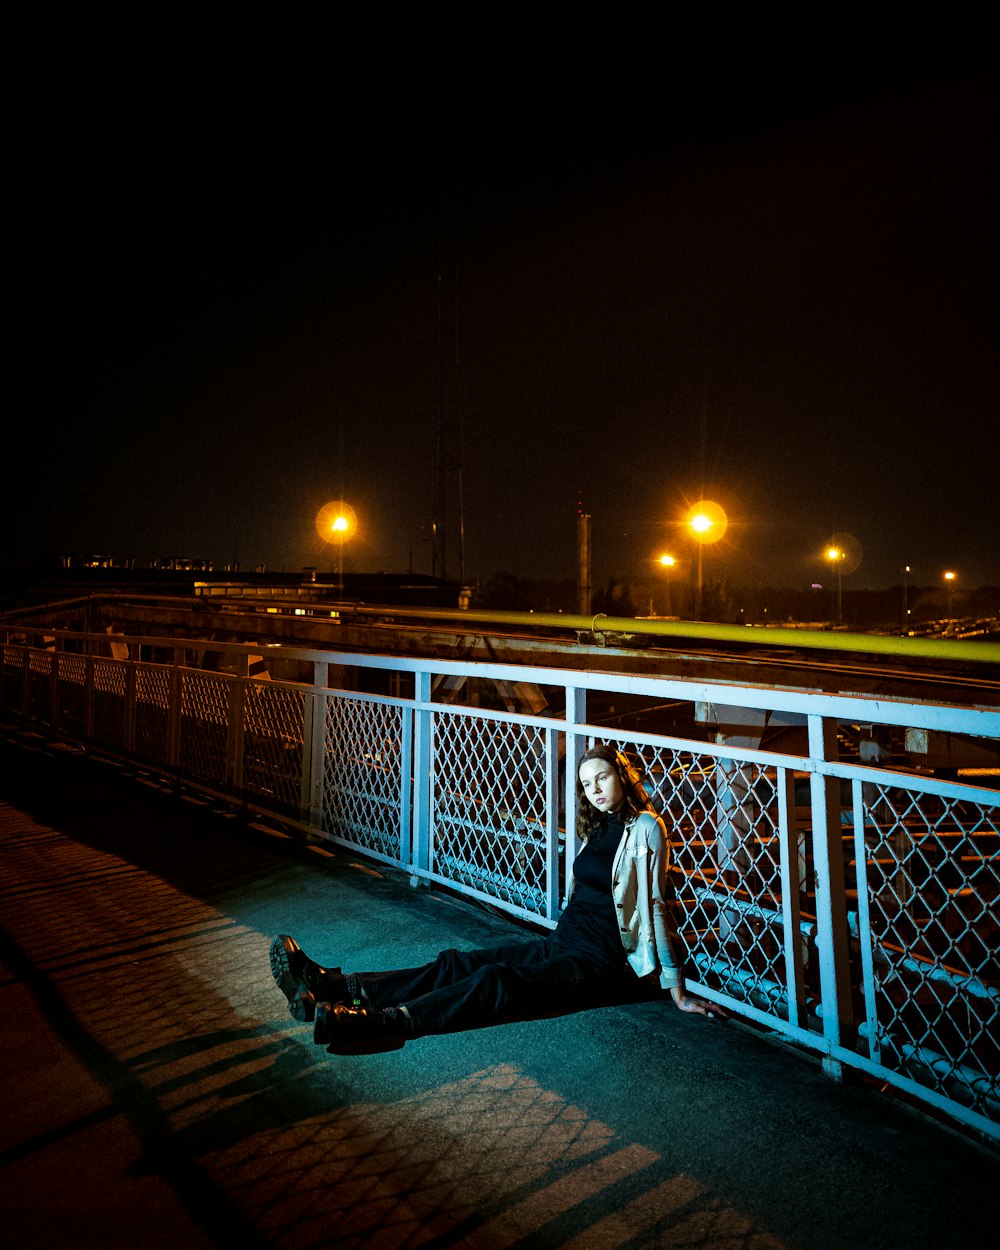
<point>850,906</point>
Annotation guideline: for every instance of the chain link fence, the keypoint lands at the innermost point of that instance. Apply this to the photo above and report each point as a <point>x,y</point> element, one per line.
<point>851,908</point>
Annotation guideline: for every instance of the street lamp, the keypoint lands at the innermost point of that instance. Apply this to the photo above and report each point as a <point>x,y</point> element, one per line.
<point>949,579</point>
<point>336,522</point>
<point>836,557</point>
<point>906,590</point>
<point>667,563</point>
<point>707,523</point>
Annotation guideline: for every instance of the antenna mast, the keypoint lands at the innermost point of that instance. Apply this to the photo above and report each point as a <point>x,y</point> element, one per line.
<point>448,525</point>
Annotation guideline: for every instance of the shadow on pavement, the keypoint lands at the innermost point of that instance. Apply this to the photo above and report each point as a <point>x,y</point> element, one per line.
<point>153,1079</point>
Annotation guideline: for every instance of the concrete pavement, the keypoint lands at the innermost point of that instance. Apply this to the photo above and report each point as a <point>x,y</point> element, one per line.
<point>154,1091</point>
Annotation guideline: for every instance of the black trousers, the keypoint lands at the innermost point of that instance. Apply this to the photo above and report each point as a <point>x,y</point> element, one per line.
<point>523,980</point>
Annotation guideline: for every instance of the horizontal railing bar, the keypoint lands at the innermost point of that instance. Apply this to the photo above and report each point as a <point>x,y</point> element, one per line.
<point>979,721</point>
<point>733,902</point>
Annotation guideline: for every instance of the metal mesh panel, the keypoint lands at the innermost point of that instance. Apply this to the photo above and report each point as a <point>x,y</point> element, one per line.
<point>109,703</point>
<point>13,677</point>
<point>932,885</point>
<point>489,808</point>
<point>152,712</point>
<point>361,774</point>
<point>204,724</point>
<point>721,817</point>
<point>273,744</point>
<point>40,685</point>
<point>72,676</point>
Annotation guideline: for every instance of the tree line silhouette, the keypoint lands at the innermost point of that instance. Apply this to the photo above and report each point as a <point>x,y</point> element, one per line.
<point>727,602</point>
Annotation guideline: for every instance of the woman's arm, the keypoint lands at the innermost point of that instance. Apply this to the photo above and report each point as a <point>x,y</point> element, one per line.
<point>668,945</point>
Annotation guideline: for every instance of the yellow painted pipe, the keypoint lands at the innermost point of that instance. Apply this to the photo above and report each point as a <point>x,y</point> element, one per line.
<point>963,649</point>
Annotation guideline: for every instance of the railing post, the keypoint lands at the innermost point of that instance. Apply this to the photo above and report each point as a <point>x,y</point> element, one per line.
<point>88,696</point>
<point>54,688</point>
<point>791,886</point>
<point>551,824</point>
<point>176,708</point>
<point>423,730</point>
<point>128,712</point>
<point>26,680</point>
<point>870,1025</point>
<point>7,653</point>
<point>576,714</point>
<point>235,738</point>
<point>406,801</point>
<point>831,903</point>
<point>314,749</point>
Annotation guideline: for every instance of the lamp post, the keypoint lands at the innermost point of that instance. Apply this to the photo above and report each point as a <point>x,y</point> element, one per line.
<point>836,557</point>
<point>707,523</point>
<point>336,523</point>
<point>949,581</point>
<point>667,562</point>
<point>906,593</point>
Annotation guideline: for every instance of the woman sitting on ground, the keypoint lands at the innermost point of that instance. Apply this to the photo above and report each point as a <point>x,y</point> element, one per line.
<point>613,943</point>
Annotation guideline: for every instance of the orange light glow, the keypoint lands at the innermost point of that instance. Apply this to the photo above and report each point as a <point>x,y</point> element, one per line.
<point>336,522</point>
<point>707,521</point>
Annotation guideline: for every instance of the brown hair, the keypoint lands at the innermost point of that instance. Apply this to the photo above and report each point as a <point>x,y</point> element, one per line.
<point>634,802</point>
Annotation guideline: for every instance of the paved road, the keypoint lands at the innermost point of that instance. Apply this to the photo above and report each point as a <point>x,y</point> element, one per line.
<point>154,1091</point>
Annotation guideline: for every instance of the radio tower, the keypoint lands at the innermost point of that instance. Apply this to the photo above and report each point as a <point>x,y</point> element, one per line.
<point>448,523</point>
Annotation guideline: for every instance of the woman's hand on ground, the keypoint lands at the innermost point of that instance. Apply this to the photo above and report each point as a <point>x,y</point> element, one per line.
<point>697,1006</point>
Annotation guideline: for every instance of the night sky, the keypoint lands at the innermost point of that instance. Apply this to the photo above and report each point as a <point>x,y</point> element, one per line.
<point>777,291</point>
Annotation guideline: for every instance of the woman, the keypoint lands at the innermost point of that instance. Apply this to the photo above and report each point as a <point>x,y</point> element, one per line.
<point>613,943</point>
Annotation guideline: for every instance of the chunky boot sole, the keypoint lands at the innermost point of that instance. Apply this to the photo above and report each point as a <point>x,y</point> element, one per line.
<point>347,1030</point>
<point>288,965</point>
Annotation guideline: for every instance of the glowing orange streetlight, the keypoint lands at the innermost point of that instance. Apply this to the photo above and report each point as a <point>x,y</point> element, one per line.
<point>707,522</point>
<point>336,522</point>
<point>836,557</point>
<point>667,562</point>
<point>949,576</point>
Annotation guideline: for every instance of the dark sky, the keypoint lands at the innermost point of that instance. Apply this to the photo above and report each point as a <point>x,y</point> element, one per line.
<point>777,291</point>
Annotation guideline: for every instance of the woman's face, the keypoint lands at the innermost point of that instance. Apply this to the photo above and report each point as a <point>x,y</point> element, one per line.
<point>601,785</point>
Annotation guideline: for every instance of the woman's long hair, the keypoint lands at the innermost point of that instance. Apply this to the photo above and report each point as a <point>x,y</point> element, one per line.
<point>588,818</point>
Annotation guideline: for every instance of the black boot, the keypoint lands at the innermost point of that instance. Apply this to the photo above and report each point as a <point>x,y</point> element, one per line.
<point>302,981</point>
<point>345,1029</point>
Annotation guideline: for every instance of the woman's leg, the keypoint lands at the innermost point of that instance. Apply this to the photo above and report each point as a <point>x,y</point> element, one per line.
<point>524,983</point>
<point>456,991</point>
<point>390,988</point>
<point>463,990</point>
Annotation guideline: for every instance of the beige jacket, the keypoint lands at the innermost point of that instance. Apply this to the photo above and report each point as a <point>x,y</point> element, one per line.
<point>639,887</point>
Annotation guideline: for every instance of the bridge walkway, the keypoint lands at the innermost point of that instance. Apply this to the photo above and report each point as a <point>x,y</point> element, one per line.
<point>154,1091</point>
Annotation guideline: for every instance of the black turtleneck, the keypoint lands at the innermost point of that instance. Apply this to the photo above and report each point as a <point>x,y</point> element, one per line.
<point>590,921</point>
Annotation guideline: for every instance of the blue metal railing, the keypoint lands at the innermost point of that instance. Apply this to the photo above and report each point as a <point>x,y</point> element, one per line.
<point>851,907</point>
